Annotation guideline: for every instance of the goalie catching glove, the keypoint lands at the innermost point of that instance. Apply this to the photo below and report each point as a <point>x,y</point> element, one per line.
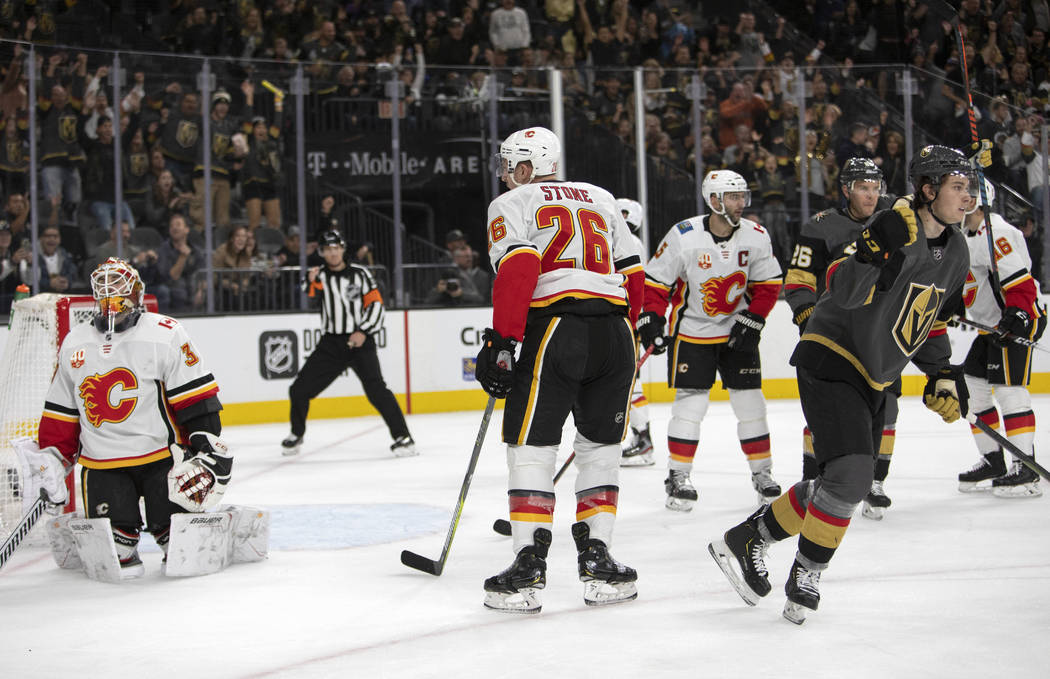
<point>200,474</point>
<point>746,332</point>
<point>888,232</point>
<point>494,368</point>
<point>43,471</point>
<point>946,393</point>
<point>650,327</point>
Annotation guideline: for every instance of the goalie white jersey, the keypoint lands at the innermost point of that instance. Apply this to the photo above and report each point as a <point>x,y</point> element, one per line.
<point>708,280</point>
<point>116,401</point>
<point>1015,276</point>
<point>582,240</point>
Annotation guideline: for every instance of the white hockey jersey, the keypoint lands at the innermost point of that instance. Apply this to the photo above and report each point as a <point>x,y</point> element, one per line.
<point>116,401</point>
<point>1011,252</point>
<point>584,244</point>
<point>708,282</point>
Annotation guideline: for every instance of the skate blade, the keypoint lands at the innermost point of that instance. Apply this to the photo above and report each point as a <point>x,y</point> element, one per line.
<point>796,613</point>
<point>975,486</point>
<point>643,460</point>
<point>679,505</point>
<point>405,451</point>
<point>132,572</point>
<point>601,593</point>
<point>719,551</point>
<point>1023,490</point>
<point>873,513</point>
<point>288,452</point>
<point>525,600</point>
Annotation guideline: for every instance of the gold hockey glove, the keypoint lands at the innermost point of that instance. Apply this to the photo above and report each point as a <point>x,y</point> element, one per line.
<point>946,393</point>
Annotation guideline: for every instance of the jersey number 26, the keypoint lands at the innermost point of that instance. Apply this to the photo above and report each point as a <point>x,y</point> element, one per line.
<point>590,250</point>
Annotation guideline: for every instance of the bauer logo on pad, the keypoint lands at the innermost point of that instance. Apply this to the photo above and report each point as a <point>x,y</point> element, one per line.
<point>278,354</point>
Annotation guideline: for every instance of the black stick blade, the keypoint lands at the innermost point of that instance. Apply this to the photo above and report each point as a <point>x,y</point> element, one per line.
<point>502,526</point>
<point>420,563</point>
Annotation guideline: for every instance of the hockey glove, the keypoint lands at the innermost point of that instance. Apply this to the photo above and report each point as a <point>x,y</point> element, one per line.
<point>197,482</point>
<point>980,154</point>
<point>746,332</point>
<point>42,470</point>
<point>887,233</point>
<point>1014,323</point>
<point>494,369</point>
<point>946,393</point>
<point>802,317</point>
<point>650,327</point>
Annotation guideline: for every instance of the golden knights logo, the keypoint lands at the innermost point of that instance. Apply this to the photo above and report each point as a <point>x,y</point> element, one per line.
<point>220,145</point>
<point>186,133</point>
<point>917,316</point>
<point>14,152</point>
<point>67,129</point>
<point>138,164</point>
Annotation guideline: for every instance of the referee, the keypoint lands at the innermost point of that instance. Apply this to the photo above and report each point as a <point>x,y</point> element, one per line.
<point>351,313</point>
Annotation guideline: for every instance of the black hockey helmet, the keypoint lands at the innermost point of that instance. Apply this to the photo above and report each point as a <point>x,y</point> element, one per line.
<point>862,169</point>
<point>331,238</point>
<point>933,163</point>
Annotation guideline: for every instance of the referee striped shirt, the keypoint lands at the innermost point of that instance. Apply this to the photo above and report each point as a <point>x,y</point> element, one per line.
<point>350,300</point>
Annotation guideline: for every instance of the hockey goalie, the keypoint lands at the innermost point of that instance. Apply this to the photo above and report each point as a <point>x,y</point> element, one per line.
<point>132,402</point>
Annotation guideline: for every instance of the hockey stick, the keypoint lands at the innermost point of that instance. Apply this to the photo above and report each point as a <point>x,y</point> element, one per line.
<point>1025,458</point>
<point>992,331</point>
<point>502,526</point>
<point>421,563</point>
<point>24,526</point>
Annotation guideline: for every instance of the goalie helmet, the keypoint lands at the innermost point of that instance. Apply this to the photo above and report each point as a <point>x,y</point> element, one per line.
<point>538,145</point>
<point>632,213</point>
<point>720,182</point>
<point>989,192</point>
<point>118,289</point>
<point>860,169</point>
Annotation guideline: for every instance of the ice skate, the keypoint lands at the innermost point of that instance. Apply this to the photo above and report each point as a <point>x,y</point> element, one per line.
<point>131,567</point>
<point>605,580</point>
<point>803,593</point>
<point>1020,482</point>
<point>981,475</point>
<point>680,492</point>
<point>640,452</point>
<point>291,445</point>
<point>876,503</point>
<point>403,446</point>
<point>744,544</point>
<point>763,483</point>
<point>515,590</point>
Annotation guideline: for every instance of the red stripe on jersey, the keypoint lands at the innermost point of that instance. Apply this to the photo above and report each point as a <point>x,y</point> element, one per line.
<point>763,296</point>
<point>512,291</point>
<point>937,332</point>
<point>1023,296</point>
<point>63,435</point>
<point>636,293</point>
<point>831,271</point>
<point>195,398</point>
<point>656,298</point>
<point>790,287</point>
<point>827,518</point>
<point>796,504</point>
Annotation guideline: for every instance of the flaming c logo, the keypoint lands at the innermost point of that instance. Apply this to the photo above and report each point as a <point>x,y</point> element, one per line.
<point>969,290</point>
<point>96,391</point>
<point>721,294</point>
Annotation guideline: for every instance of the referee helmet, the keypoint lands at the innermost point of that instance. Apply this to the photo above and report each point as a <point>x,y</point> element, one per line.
<point>331,238</point>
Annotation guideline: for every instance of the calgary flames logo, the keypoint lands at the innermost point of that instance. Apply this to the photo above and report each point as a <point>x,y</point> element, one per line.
<point>721,294</point>
<point>969,290</point>
<point>96,392</point>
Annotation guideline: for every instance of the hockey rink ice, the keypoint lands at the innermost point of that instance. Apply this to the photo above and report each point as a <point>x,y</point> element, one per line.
<point>947,585</point>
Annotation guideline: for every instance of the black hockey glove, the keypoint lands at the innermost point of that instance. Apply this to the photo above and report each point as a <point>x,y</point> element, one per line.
<point>746,332</point>
<point>1014,323</point>
<point>650,327</point>
<point>802,317</point>
<point>494,369</point>
<point>887,233</point>
<point>946,393</point>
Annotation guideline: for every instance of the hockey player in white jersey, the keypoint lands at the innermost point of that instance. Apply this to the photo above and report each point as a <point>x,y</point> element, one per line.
<point>640,450</point>
<point>132,402</point>
<point>994,362</point>
<point>720,277</point>
<point>569,286</point>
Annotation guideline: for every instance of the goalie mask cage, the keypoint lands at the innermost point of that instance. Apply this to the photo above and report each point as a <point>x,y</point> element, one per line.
<point>30,357</point>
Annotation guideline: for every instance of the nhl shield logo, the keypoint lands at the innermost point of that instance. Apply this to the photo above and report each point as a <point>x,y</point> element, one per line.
<point>278,354</point>
<point>917,316</point>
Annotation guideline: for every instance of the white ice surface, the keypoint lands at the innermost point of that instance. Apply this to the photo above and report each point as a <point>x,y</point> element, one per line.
<point>948,585</point>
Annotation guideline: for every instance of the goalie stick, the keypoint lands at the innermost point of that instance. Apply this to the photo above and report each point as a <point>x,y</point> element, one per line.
<point>24,526</point>
<point>1026,459</point>
<point>434,567</point>
<point>993,331</point>
<point>502,526</point>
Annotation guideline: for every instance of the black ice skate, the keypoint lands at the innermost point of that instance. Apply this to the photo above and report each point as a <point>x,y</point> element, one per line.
<point>981,475</point>
<point>605,580</point>
<point>640,452</point>
<point>876,503</point>
<point>680,492</point>
<point>515,589</point>
<point>1020,482</point>
<point>403,446</point>
<point>291,445</point>
<point>803,593</point>
<point>744,545</point>
<point>763,483</point>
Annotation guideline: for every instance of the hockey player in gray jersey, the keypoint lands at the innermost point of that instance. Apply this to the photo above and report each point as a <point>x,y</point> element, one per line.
<point>887,303</point>
<point>820,242</point>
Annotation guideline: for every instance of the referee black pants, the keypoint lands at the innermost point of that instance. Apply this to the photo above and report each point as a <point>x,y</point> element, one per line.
<point>331,357</point>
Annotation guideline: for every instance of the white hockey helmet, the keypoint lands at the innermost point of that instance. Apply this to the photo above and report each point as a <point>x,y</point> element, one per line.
<point>537,145</point>
<point>632,213</point>
<point>975,194</point>
<point>720,182</point>
<point>118,289</point>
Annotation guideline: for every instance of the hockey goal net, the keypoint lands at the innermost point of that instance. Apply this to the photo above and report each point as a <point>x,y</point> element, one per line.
<point>30,356</point>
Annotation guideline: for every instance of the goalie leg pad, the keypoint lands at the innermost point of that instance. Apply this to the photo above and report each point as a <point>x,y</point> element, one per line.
<point>250,539</point>
<point>63,547</point>
<point>199,544</point>
<point>98,551</point>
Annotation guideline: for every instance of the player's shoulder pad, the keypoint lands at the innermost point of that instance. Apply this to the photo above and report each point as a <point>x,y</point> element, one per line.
<point>752,225</point>
<point>822,214</point>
